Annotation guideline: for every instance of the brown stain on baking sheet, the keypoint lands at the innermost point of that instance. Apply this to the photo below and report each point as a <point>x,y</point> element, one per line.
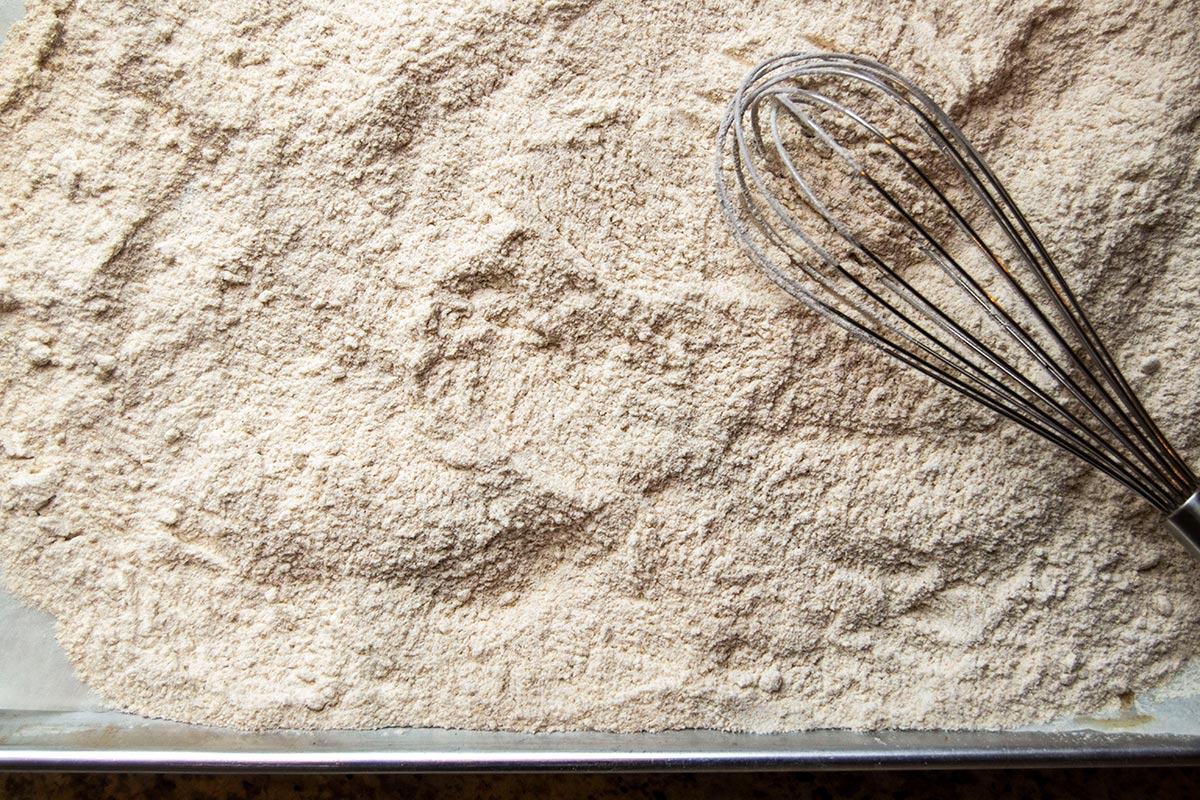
<point>1125,721</point>
<point>1116,723</point>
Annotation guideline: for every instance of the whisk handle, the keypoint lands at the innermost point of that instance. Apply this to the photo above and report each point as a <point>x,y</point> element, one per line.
<point>1184,524</point>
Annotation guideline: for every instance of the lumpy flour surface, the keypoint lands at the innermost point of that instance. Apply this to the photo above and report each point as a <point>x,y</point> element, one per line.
<point>389,364</point>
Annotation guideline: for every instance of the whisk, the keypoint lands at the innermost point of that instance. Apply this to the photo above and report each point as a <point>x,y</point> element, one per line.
<point>859,196</point>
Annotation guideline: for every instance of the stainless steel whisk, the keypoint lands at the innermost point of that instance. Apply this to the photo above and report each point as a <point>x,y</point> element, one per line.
<point>945,275</point>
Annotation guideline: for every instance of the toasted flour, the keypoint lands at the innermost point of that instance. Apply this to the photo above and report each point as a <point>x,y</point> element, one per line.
<point>389,364</point>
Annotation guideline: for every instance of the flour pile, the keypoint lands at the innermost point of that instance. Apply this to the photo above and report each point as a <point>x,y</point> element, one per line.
<point>389,364</point>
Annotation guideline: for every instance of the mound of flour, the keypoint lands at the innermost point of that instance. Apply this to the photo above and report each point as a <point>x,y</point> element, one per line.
<point>385,363</point>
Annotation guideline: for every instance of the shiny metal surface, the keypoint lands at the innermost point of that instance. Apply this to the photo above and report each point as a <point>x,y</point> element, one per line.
<point>1184,524</point>
<point>113,742</point>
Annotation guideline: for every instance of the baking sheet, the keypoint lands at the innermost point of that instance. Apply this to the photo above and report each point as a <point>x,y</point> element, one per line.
<point>10,12</point>
<point>34,671</point>
<point>49,720</point>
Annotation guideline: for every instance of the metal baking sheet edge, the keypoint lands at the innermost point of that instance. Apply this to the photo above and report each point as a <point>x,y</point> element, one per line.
<point>109,741</point>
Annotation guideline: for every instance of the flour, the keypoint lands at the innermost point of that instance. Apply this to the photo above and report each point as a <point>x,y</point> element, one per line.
<point>389,364</point>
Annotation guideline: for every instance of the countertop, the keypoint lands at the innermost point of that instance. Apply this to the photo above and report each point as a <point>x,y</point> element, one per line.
<point>1096,783</point>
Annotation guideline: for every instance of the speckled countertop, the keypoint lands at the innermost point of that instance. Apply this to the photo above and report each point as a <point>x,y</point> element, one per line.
<point>1062,783</point>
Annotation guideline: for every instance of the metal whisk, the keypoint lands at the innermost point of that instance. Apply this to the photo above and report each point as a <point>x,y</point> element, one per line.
<point>860,197</point>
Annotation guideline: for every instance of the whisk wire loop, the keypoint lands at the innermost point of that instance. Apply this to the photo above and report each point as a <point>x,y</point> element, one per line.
<point>893,280</point>
<point>1026,315</point>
